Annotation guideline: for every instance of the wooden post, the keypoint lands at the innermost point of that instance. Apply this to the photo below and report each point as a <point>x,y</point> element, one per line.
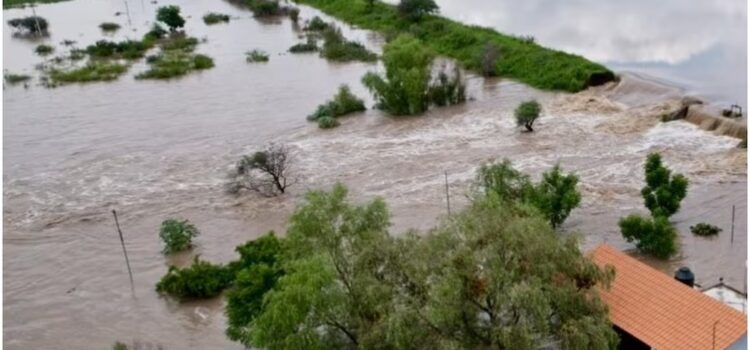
<point>731,239</point>
<point>447,194</point>
<point>124,251</point>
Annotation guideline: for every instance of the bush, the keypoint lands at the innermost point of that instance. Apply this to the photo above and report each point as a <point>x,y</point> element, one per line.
<point>109,27</point>
<point>178,41</point>
<point>128,49</point>
<point>526,113</point>
<point>200,280</point>
<point>704,229</point>
<point>448,90</point>
<point>93,71</point>
<point>415,9</point>
<point>663,192</point>
<point>294,14</point>
<point>170,15</point>
<point>175,63</point>
<point>214,18</point>
<point>30,25</point>
<point>404,89</point>
<point>156,33</point>
<point>44,50</point>
<point>327,122</point>
<point>337,48</point>
<point>13,79</point>
<point>256,56</point>
<point>309,46</point>
<point>265,8</point>
<point>653,236</point>
<point>177,235</point>
<point>201,62</point>
<point>556,195</point>
<point>317,24</point>
<point>342,104</point>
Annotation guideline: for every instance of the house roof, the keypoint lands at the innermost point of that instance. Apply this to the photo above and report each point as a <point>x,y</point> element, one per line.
<point>662,312</point>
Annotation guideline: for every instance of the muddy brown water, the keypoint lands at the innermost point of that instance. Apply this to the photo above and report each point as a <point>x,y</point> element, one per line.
<point>154,150</point>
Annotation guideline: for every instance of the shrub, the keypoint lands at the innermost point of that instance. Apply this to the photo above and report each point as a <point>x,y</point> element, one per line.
<point>653,236</point>
<point>404,89</point>
<point>556,195</point>
<point>327,122</point>
<point>30,25</point>
<point>502,180</point>
<point>93,71</point>
<point>177,235</point>
<point>178,41</point>
<point>337,48</point>
<point>44,50</point>
<point>309,46</point>
<point>663,192</point>
<point>704,229</point>
<point>128,49</point>
<point>13,79</point>
<point>109,27</point>
<point>526,113</point>
<point>265,8</point>
<point>415,9</point>
<point>317,24</point>
<point>201,61</point>
<point>156,33</point>
<point>256,56</point>
<point>77,54</point>
<point>200,280</point>
<point>343,103</point>
<point>266,172</point>
<point>294,14</point>
<point>170,15</point>
<point>448,90</point>
<point>214,18</point>
<point>175,63</point>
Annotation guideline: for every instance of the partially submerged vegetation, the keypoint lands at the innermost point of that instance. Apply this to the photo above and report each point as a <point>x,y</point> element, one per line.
<point>44,50</point>
<point>170,15</point>
<point>177,235</point>
<point>128,49</point>
<point>526,114</point>
<point>268,172</point>
<point>202,279</point>
<point>704,229</point>
<point>215,18</point>
<point>93,71</point>
<point>174,63</point>
<point>13,79</point>
<point>337,48</point>
<point>311,45</point>
<point>521,60</point>
<point>109,27</point>
<point>264,8</point>
<point>32,25</point>
<point>256,56</point>
<point>343,103</point>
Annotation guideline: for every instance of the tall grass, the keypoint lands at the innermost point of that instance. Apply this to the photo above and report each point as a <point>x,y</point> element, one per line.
<point>521,59</point>
<point>93,71</point>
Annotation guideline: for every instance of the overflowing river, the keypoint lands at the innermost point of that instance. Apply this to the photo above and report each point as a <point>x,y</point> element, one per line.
<point>154,150</point>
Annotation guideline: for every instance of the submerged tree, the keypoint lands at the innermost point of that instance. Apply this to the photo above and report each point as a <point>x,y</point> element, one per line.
<point>654,236</point>
<point>266,172</point>
<point>177,235</point>
<point>33,25</point>
<point>527,113</point>
<point>170,15</point>
<point>663,192</point>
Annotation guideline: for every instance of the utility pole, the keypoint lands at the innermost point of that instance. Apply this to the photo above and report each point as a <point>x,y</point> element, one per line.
<point>124,251</point>
<point>127,10</point>
<point>732,237</point>
<point>447,194</point>
<point>36,19</point>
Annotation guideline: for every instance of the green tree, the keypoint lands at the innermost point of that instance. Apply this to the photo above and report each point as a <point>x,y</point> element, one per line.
<point>177,235</point>
<point>503,180</point>
<point>663,191</point>
<point>416,9</point>
<point>200,280</point>
<point>556,195</point>
<point>170,15</point>
<point>653,236</point>
<point>404,89</point>
<point>526,113</point>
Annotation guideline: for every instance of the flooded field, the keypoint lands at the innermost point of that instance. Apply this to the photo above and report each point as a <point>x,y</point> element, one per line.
<point>154,150</point>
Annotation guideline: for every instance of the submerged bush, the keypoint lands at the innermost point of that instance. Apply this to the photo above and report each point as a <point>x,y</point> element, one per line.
<point>179,42</point>
<point>488,60</point>
<point>526,113</point>
<point>317,24</point>
<point>170,15</point>
<point>266,8</point>
<point>93,71</point>
<point>343,103</point>
<point>256,56</point>
<point>44,50</point>
<point>109,27</point>
<point>128,49</point>
<point>653,236</point>
<point>175,63</point>
<point>448,90</point>
<point>214,18</point>
<point>202,279</point>
<point>13,79</point>
<point>663,191</point>
<point>30,25</point>
<point>309,46</point>
<point>704,229</point>
<point>156,33</point>
<point>337,48</point>
<point>294,14</point>
<point>177,235</point>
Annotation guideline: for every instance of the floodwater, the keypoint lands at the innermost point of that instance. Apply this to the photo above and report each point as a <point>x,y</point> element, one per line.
<point>697,45</point>
<point>154,150</point>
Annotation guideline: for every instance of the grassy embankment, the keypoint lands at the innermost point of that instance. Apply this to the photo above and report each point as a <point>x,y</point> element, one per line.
<point>7,4</point>
<point>521,60</point>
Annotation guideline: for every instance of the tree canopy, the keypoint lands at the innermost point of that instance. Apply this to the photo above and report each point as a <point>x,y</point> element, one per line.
<point>663,191</point>
<point>170,15</point>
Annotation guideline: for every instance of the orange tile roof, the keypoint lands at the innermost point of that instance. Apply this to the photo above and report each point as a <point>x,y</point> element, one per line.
<point>662,312</point>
